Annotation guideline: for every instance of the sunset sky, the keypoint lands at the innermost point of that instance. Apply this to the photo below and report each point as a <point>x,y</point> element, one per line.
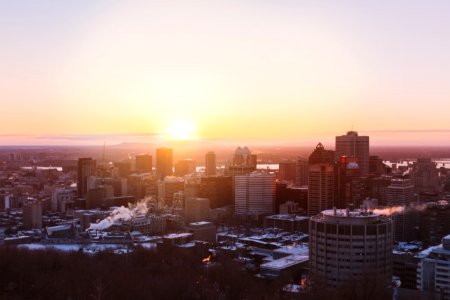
<point>80,71</point>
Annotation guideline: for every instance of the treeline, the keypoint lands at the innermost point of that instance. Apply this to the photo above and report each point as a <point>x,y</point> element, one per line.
<point>142,274</point>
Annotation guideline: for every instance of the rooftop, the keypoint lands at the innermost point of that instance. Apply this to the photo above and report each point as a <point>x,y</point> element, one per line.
<point>288,217</point>
<point>285,262</point>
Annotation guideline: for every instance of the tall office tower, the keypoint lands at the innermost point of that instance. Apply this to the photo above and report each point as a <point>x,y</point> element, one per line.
<point>433,270</point>
<point>401,193</point>
<point>254,194</point>
<point>244,162</point>
<point>301,176</point>
<point>164,162</point>
<point>144,163</point>
<point>376,166</point>
<point>86,167</point>
<point>184,167</point>
<point>32,214</point>
<point>349,245</point>
<point>354,146</point>
<point>434,223</point>
<point>218,189</point>
<point>287,171</point>
<point>123,168</point>
<point>425,176</point>
<point>210,163</point>
<point>349,185</point>
<point>378,188</point>
<point>320,181</point>
<point>168,187</point>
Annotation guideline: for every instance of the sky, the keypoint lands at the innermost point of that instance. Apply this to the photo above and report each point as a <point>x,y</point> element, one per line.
<point>293,71</point>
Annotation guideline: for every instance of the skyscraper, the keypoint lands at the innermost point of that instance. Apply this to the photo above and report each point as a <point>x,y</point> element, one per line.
<point>401,193</point>
<point>301,168</point>
<point>349,185</point>
<point>350,245</point>
<point>354,147</point>
<point>254,193</point>
<point>287,171</point>
<point>86,167</point>
<point>210,163</point>
<point>244,162</point>
<point>218,189</point>
<point>168,187</point>
<point>425,175</point>
<point>184,167</point>
<point>320,180</point>
<point>164,162</point>
<point>144,163</point>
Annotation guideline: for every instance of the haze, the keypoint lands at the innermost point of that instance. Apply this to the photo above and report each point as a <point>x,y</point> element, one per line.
<point>275,71</point>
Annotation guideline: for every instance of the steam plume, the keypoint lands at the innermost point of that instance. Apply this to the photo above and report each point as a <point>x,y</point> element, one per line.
<point>122,213</point>
<point>389,210</point>
<point>400,209</point>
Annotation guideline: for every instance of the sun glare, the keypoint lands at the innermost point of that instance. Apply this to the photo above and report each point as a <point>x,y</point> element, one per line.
<point>181,130</point>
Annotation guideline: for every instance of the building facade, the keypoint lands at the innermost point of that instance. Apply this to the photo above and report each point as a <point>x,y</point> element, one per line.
<point>254,194</point>
<point>401,193</point>
<point>356,147</point>
<point>210,163</point>
<point>320,181</point>
<point>144,163</point>
<point>86,167</point>
<point>164,162</point>
<point>349,245</point>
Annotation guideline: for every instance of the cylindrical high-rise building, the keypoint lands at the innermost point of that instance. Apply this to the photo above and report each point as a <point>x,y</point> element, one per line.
<point>350,245</point>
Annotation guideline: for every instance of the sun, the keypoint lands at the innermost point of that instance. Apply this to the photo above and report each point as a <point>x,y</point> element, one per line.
<point>182,130</point>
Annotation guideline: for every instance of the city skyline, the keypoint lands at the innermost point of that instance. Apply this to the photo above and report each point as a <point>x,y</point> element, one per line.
<point>82,73</point>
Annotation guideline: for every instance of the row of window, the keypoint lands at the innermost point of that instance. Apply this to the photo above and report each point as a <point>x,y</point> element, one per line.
<point>371,229</point>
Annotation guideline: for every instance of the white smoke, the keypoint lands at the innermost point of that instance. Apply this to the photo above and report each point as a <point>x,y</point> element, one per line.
<point>400,209</point>
<point>389,210</point>
<point>122,214</point>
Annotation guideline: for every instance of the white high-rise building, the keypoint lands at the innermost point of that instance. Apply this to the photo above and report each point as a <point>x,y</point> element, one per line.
<point>254,194</point>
